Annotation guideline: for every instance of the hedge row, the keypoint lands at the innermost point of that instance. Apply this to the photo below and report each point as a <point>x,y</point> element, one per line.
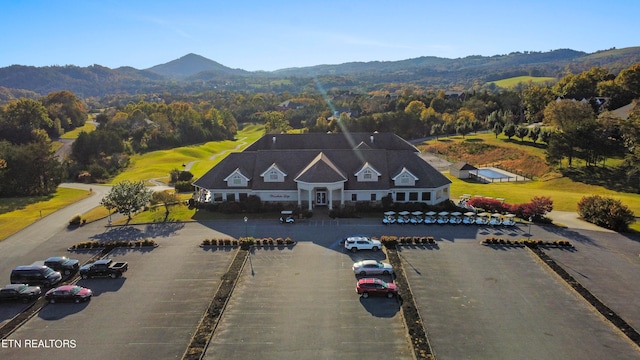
<point>112,244</point>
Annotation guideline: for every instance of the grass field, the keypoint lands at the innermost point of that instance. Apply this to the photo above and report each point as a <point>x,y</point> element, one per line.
<point>18,213</point>
<point>88,127</point>
<point>198,158</point>
<point>514,81</point>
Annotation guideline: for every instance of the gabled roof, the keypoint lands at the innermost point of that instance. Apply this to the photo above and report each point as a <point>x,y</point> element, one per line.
<point>362,146</point>
<point>462,165</point>
<point>366,165</point>
<point>321,170</point>
<point>273,166</point>
<point>404,170</point>
<point>239,172</point>
<point>333,160</point>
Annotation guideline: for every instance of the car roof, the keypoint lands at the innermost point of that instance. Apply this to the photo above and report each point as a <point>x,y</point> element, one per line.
<point>103,261</point>
<point>30,267</point>
<point>14,286</point>
<point>65,287</point>
<point>366,262</point>
<point>357,237</point>
<point>57,258</point>
<point>369,281</point>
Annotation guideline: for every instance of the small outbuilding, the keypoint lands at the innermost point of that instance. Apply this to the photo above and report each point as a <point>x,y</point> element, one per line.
<point>461,170</point>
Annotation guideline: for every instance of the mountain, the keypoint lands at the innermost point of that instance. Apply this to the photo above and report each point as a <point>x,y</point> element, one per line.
<point>193,74</point>
<point>192,64</point>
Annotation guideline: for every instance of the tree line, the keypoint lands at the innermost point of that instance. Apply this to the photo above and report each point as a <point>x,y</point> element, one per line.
<point>571,117</point>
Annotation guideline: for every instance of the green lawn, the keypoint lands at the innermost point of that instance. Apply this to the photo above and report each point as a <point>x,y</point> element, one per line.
<point>200,158</point>
<point>74,133</point>
<point>18,213</point>
<point>514,81</point>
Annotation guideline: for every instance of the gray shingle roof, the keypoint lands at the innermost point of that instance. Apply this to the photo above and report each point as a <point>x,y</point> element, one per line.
<point>325,163</point>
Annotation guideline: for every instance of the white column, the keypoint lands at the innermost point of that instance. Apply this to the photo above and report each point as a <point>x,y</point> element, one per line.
<point>299,197</point>
<point>310,203</point>
<point>330,198</point>
<point>342,195</point>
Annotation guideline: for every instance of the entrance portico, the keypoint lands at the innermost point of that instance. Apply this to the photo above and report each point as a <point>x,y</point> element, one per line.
<point>320,194</point>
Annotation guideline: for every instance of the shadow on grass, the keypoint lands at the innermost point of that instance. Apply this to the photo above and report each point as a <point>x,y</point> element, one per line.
<point>609,178</point>
<point>8,205</point>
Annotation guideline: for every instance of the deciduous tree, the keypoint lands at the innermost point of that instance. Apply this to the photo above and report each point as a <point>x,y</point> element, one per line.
<point>127,197</point>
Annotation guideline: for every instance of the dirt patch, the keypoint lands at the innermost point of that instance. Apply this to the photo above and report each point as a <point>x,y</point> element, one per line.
<point>508,158</point>
<point>211,317</point>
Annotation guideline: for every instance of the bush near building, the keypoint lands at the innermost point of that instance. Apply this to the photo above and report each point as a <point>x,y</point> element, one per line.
<point>606,212</point>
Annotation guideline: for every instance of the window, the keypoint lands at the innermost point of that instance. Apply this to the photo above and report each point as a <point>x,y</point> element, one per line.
<point>404,179</point>
<point>242,196</point>
<point>231,197</point>
<point>237,180</point>
<point>273,175</point>
<point>413,196</point>
<point>400,196</point>
<point>367,174</point>
<point>373,197</point>
<point>217,197</point>
<point>426,196</point>
<point>354,197</point>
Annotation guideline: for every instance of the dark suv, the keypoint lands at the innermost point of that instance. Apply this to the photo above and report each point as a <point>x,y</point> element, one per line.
<point>35,275</point>
<point>63,264</point>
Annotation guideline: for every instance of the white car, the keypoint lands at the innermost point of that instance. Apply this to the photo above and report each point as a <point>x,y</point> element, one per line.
<point>372,267</point>
<point>355,243</point>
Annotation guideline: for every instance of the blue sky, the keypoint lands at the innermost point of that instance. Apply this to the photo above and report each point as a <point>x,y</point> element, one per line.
<point>277,34</point>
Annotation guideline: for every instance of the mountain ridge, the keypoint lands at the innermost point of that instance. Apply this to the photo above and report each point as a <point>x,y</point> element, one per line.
<point>195,73</point>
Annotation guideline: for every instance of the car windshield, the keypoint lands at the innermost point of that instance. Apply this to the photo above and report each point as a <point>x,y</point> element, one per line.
<point>22,288</point>
<point>75,290</point>
<point>48,272</point>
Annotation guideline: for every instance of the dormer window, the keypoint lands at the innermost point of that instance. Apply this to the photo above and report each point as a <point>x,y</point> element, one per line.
<point>367,173</point>
<point>237,179</point>
<point>405,178</point>
<point>273,174</point>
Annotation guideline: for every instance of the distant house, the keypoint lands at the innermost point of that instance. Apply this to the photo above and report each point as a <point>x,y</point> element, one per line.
<point>319,169</point>
<point>461,170</point>
<point>290,105</point>
<point>455,95</point>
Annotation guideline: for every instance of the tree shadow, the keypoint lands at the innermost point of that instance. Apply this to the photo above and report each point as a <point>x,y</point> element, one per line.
<point>612,178</point>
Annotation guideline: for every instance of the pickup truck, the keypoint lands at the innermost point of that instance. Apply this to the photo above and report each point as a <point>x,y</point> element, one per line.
<point>104,268</point>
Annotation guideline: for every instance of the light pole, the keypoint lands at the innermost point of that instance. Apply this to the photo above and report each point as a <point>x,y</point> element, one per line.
<point>529,233</point>
<point>245,226</point>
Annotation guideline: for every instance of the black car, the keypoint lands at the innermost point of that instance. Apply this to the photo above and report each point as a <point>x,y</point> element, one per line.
<point>63,264</point>
<point>22,292</point>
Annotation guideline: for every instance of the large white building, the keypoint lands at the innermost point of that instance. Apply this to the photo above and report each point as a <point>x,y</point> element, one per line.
<point>325,170</point>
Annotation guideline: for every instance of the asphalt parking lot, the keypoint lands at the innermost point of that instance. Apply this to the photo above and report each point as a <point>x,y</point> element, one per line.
<point>300,303</point>
<point>477,302</point>
<point>480,302</point>
<point>150,313</point>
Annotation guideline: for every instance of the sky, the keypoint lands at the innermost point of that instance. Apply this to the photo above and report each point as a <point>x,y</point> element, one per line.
<point>278,34</point>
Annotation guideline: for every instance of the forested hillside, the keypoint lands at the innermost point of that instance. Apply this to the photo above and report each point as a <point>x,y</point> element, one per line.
<point>192,74</point>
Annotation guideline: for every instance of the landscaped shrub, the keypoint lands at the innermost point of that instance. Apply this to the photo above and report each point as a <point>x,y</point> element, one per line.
<point>183,186</point>
<point>75,220</point>
<point>390,242</point>
<point>606,212</point>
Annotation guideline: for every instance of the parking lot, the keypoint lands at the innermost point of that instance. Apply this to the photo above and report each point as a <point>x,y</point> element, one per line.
<point>150,313</point>
<point>300,303</point>
<point>476,301</point>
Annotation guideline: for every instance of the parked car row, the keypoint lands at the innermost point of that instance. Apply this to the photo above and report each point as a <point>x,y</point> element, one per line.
<point>368,285</point>
<point>27,280</point>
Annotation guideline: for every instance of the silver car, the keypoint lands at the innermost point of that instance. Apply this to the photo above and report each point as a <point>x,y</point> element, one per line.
<point>372,267</point>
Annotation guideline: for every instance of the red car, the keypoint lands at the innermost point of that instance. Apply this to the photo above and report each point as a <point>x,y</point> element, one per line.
<point>73,293</point>
<point>375,286</point>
